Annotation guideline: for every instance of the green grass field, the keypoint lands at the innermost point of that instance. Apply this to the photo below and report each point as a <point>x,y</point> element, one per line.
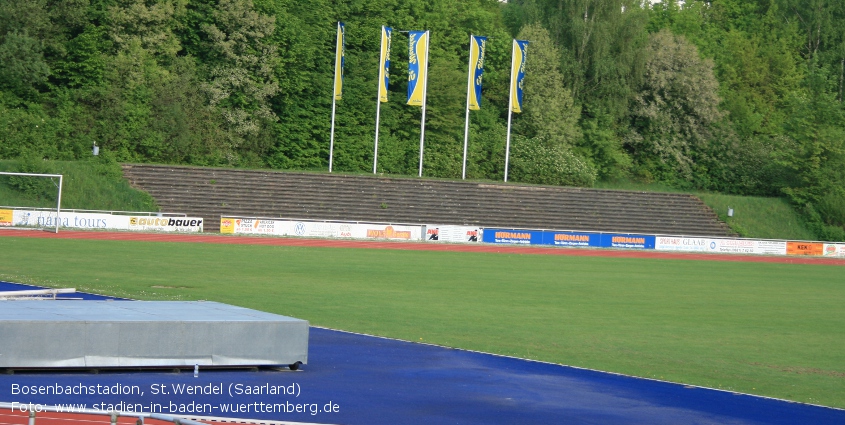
<point>768,329</point>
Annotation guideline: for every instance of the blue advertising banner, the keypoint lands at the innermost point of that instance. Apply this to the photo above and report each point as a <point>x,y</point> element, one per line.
<point>513,236</point>
<point>571,239</point>
<point>610,240</point>
<point>574,239</point>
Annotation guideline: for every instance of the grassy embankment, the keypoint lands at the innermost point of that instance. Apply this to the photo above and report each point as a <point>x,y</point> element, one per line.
<point>91,185</point>
<point>754,216</point>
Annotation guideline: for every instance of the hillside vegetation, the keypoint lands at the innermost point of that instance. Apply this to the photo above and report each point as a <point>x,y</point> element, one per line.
<point>741,97</point>
<point>87,185</point>
<point>756,217</point>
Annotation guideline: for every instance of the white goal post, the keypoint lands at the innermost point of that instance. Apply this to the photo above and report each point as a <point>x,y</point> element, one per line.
<point>58,198</point>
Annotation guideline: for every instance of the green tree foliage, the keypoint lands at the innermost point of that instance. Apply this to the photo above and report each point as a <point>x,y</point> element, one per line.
<point>548,127</point>
<point>242,79</point>
<point>550,112</point>
<point>739,96</point>
<point>676,109</point>
<point>22,65</point>
<point>150,26</point>
<point>535,160</point>
<point>37,187</point>
<point>817,127</point>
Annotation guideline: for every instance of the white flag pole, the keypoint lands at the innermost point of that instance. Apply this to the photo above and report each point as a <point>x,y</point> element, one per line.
<point>510,110</point>
<point>337,64</point>
<point>375,151</point>
<point>425,93</point>
<point>378,96</point>
<point>466,122</point>
<point>331,143</point>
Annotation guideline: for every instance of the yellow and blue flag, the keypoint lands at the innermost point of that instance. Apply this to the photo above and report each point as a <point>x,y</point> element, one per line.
<point>417,66</point>
<point>384,63</point>
<point>476,59</point>
<point>520,49</point>
<point>339,61</point>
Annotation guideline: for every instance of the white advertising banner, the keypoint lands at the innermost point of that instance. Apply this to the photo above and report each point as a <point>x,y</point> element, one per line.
<point>444,233</point>
<point>104,221</point>
<point>321,229</point>
<point>71,220</point>
<point>770,247</point>
<point>674,243</point>
<point>728,246</point>
<point>733,246</point>
<point>165,224</point>
<point>834,250</point>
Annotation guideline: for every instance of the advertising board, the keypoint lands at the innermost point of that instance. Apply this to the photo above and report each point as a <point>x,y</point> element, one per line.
<point>319,229</point>
<point>720,245</point>
<point>609,240</point>
<point>834,250</point>
<point>677,243</point>
<point>513,236</point>
<point>572,239</point>
<point>457,234</point>
<point>164,224</point>
<point>767,247</point>
<point>104,221</point>
<point>582,239</point>
<point>6,217</point>
<point>804,248</point>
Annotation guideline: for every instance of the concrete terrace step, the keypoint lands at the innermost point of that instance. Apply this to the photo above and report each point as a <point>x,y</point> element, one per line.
<point>211,192</point>
<point>388,190</point>
<point>257,198</point>
<point>493,221</point>
<point>310,196</point>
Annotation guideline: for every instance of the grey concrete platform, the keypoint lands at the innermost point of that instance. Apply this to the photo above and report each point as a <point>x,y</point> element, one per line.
<point>101,334</point>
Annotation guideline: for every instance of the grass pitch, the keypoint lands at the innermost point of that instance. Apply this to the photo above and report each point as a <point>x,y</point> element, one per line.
<point>768,329</point>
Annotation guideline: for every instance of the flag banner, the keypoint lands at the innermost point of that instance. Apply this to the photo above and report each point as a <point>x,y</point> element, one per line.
<point>384,63</point>
<point>476,58</point>
<point>518,74</point>
<point>339,61</point>
<point>417,66</point>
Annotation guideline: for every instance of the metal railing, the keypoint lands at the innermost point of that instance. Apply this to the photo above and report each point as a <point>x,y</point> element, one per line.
<point>36,293</point>
<point>34,409</point>
<point>111,212</point>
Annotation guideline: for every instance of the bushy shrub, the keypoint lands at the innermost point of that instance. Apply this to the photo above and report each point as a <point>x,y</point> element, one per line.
<point>39,187</point>
<point>831,208</point>
<point>820,224</point>
<point>533,161</point>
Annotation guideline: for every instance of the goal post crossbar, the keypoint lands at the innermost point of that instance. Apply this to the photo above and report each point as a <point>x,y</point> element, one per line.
<point>58,198</point>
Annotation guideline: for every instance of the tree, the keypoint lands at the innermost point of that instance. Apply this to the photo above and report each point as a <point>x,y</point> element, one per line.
<point>550,112</point>
<point>22,65</point>
<point>676,108</point>
<point>151,26</point>
<point>241,76</point>
<point>603,43</point>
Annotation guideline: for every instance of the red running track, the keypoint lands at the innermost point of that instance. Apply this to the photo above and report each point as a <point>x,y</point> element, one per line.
<point>415,246</point>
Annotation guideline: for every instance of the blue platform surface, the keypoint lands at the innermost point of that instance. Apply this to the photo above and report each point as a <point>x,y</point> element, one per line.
<point>359,379</point>
<point>8,286</point>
